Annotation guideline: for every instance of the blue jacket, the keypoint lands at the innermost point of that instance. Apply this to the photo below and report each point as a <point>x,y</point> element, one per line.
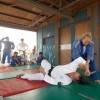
<point>78,49</point>
<point>14,61</point>
<point>8,45</point>
<point>90,51</point>
<point>40,59</point>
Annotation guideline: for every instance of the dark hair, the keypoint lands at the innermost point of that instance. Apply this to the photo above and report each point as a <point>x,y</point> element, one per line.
<point>22,39</point>
<point>15,52</point>
<point>81,81</point>
<point>40,53</point>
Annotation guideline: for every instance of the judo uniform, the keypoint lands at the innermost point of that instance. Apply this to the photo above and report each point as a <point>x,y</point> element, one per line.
<point>58,73</point>
<point>87,53</point>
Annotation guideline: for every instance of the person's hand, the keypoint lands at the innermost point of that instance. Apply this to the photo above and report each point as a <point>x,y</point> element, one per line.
<point>86,66</point>
<point>16,64</point>
<point>81,66</point>
<point>41,70</point>
<point>25,61</point>
<point>88,73</point>
<point>6,37</point>
<point>19,76</point>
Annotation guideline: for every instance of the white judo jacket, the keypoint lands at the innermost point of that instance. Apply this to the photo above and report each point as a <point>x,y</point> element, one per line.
<point>58,73</point>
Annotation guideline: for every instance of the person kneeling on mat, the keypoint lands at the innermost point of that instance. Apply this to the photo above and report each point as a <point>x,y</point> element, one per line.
<point>59,75</point>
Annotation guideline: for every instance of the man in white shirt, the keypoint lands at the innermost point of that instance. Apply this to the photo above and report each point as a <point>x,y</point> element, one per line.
<point>24,58</point>
<point>63,74</point>
<point>33,57</point>
<point>22,46</point>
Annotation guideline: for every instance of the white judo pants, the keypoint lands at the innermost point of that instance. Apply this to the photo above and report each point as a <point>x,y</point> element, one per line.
<point>38,76</point>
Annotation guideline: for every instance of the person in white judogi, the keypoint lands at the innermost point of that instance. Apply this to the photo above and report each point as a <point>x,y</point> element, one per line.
<point>24,58</point>
<point>22,46</point>
<point>33,57</point>
<point>63,74</point>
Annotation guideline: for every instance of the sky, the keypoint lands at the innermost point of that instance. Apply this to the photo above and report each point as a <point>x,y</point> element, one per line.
<point>15,35</point>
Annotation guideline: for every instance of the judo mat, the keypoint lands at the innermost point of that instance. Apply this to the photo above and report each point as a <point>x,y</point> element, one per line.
<point>6,69</point>
<point>32,71</point>
<point>8,75</point>
<point>14,86</point>
<point>24,67</point>
<point>73,91</point>
<point>19,70</point>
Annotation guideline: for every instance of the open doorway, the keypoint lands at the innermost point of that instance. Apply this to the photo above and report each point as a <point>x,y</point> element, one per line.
<point>15,35</point>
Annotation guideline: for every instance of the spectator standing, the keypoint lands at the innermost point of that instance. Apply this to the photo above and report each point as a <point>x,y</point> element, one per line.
<point>22,46</point>
<point>8,47</point>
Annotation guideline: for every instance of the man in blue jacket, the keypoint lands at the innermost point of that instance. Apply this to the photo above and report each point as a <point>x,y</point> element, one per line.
<point>8,46</point>
<point>84,47</point>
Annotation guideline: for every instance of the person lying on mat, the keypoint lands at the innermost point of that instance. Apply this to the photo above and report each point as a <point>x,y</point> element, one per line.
<point>63,74</point>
